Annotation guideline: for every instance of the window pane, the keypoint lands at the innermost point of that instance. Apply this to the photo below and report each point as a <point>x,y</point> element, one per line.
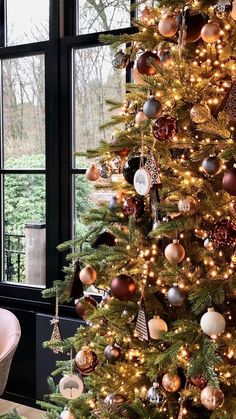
<point>98,16</point>
<point>24,228</point>
<point>27,21</point>
<point>24,111</point>
<point>95,81</point>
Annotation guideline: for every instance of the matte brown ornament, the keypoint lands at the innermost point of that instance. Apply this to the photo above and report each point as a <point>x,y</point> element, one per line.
<point>224,233</point>
<point>165,128</point>
<point>171,383</point>
<point>212,397</point>
<point>123,287</point>
<point>176,296</point>
<point>143,67</point>
<point>194,25</point>
<point>168,26</point>
<point>198,381</point>
<point>86,361</point>
<point>88,275</point>
<point>140,117</point>
<point>210,32</point>
<point>200,113</point>
<point>92,173</point>
<point>80,306</point>
<point>112,352</point>
<point>229,181</point>
<point>152,108</point>
<point>133,205</point>
<point>188,205</point>
<point>175,252</point>
<point>212,165</point>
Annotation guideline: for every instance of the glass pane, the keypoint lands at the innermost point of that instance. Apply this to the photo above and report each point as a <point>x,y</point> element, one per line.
<point>95,81</point>
<point>24,229</point>
<point>98,16</point>
<point>24,111</point>
<point>27,21</point>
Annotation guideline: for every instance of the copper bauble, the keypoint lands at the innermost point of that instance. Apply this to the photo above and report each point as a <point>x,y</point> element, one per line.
<point>200,113</point>
<point>152,108</point>
<point>140,117</point>
<point>194,23</point>
<point>171,383</point>
<point>210,32</point>
<point>233,13</point>
<point>86,361</point>
<point>187,205</point>
<point>212,323</point>
<point>123,287</point>
<point>81,304</point>
<point>112,352</point>
<point>212,165</point>
<point>156,326</point>
<point>176,296</point>
<point>88,275</point>
<point>198,381</point>
<point>175,252</point>
<point>133,206</point>
<point>92,173</point>
<point>142,65</point>
<point>165,128</point>
<point>229,181</point>
<point>168,26</point>
<point>212,397</point>
<point>224,233</point>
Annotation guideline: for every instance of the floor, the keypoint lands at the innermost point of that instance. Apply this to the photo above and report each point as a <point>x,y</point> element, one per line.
<point>27,412</point>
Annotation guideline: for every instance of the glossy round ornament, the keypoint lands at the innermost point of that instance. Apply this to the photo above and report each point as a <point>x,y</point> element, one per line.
<point>114,403</point>
<point>171,383</point>
<point>133,206</point>
<point>229,181</point>
<point>152,108</point>
<point>120,60</point>
<point>212,323</point>
<point>224,233</point>
<point>88,275</point>
<point>140,117</point>
<point>168,26</point>
<point>92,173</point>
<point>166,58</point>
<point>200,113</point>
<point>156,326</point>
<point>210,32</point>
<point>131,166</point>
<point>212,165</point>
<point>66,414</point>
<point>112,352</point>
<point>194,23</point>
<point>123,287</point>
<point>175,252</point>
<point>86,361</point>
<point>198,381</point>
<point>80,306</point>
<point>104,238</point>
<point>176,296</point>
<point>143,67</point>
<point>223,8</point>
<point>142,182</point>
<point>154,396</point>
<point>212,397</point>
<point>71,386</point>
<point>188,205</point>
<point>165,128</point>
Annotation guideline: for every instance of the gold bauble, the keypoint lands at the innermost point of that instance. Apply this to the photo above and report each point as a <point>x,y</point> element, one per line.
<point>171,383</point>
<point>200,114</point>
<point>210,32</point>
<point>233,12</point>
<point>156,326</point>
<point>140,117</point>
<point>92,173</point>
<point>175,252</point>
<point>88,275</point>
<point>187,205</point>
<point>168,26</point>
<point>212,397</point>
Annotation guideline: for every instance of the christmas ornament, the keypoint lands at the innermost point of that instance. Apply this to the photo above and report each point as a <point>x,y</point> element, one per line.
<point>71,386</point>
<point>194,24</point>
<point>208,244</point>
<point>76,290</point>
<point>175,252</point>
<point>166,58</point>
<point>105,238</point>
<point>140,117</point>
<point>223,8</point>
<point>86,361</point>
<point>142,182</point>
<point>123,287</point>
<point>171,383</point>
<point>154,397</point>
<point>131,166</point>
<point>56,332</point>
<point>113,203</point>
<point>210,32</point>
<point>168,26</point>
<point>212,323</point>
<point>105,170</point>
<point>133,205</point>
<point>212,397</point>
<point>229,181</point>
<point>84,305</point>
<point>212,165</point>
<point>152,108</point>
<point>112,352</point>
<point>106,298</point>
<point>66,414</point>
<point>224,233</point>
<point>151,167</point>
<point>156,327</point>
<point>88,275</point>
<point>92,173</point>
<point>114,404</point>
<point>176,296</point>
<point>141,327</point>
<point>187,206</point>
<point>165,128</point>
<point>198,381</point>
<point>200,114</point>
<point>233,13</point>
<point>120,60</point>
<point>143,67</point>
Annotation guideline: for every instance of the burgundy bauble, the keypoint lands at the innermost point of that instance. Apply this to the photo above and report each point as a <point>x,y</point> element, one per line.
<point>133,205</point>
<point>224,233</point>
<point>143,67</point>
<point>194,23</point>
<point>131,166</point>
<point>165,128</point>
<point>112,352</point>
<point>80,306</point>
<point>123,287</point>
<point>106,238</point>
<point>198,381</point>
<point>229,181</point>
<point>152,108</point>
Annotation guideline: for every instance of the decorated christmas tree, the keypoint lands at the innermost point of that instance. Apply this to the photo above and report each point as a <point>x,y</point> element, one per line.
<point>160,343</point>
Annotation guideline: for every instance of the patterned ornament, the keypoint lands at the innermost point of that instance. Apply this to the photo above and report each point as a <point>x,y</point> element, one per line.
<point>105,170</point>
<point>120,60</point>
<point>212,323</point>
<point>200,113</point>
<point>223,8</point>
<point>151,167</point>
<point>71,386</point>
<point>228,104</point>
<point>133,206</point>
<point>165,128</point>
<point>141,327</point>
<point>224,233</point>
<point>56,332</point>
<point>187,206</point>
<point>212,397</point>
<point>114,404</point>
<point>154,396</point>
<point>171,383</point>
<point>86,361</point>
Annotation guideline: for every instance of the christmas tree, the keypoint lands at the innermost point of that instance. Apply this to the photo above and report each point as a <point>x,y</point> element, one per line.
<point>161,342</point>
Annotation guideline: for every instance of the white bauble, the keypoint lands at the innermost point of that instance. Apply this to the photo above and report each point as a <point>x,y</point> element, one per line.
<point>71,386</point>
<point>156,326</point>
<point>66,414</point>
<point>212,323</point>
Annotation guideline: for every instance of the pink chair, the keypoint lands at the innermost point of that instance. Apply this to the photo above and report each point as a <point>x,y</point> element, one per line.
<point>10,333</point>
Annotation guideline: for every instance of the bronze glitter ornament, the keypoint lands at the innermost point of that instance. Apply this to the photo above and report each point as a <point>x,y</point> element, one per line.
<point>86,361</point>
<point>171,383</point>
<point>133,205</point>
<point>165,128</point>
<point>212,397</point>
<point>200,113</point>
<point>120,60</point>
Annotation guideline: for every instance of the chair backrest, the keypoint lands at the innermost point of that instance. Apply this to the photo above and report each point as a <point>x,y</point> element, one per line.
<point>10,332</point>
